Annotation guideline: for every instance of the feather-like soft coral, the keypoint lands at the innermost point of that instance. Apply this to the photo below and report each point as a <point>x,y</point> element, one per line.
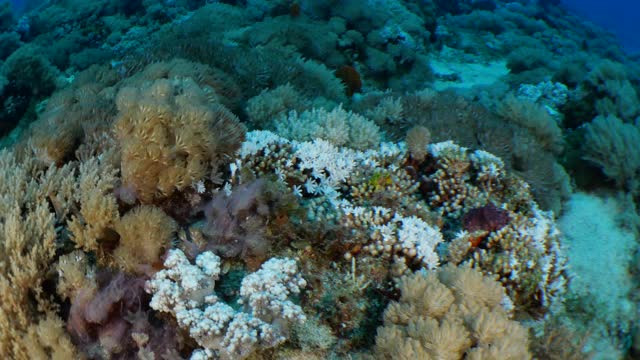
<point>172,136</point>
<point>145,233</point>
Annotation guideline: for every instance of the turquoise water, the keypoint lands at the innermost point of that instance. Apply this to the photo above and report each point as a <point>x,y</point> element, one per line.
<point>357,179</point>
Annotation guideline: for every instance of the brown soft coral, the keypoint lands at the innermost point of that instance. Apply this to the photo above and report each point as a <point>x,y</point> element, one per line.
<point>172,136</point>
<point>145,233</point>
<point>28,238</point>
<point>90,225</point>
<point>78,112</point>
<point>454,313</point>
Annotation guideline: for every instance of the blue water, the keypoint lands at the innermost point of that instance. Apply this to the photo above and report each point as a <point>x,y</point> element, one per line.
<point>621,17</point>
<point>18,6</point>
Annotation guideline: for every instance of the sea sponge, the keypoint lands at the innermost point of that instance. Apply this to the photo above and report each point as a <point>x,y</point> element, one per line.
<point>145,232</point>
<point>172,136</point>
<point>351,79</point>
<point>452,313</point>
<point>487,218</point>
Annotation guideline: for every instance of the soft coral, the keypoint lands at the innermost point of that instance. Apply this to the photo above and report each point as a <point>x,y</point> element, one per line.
<point>238,224</point>
<point>103,319</point>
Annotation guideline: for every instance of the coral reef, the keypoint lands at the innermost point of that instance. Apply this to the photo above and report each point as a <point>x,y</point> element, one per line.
<point>391,209</point>
<point>403,173</point>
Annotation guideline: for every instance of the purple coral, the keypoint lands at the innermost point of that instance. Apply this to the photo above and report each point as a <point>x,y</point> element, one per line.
<point>103,320</point>
<point>236,222</point>
<point>485,218</point>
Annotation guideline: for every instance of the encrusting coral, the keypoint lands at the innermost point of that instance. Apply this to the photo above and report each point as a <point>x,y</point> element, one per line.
<point>449,314</point>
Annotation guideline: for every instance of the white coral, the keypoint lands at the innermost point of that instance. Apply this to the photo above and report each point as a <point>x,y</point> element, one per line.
<point>329,164</point>
<point>338,126</point>
<point>393,232</point>
<point>267,290</point>
<point>186,291</point>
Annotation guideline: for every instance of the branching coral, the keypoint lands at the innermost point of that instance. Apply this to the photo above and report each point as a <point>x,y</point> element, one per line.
<point>453,313</point>
<point>451,181</point>
<point>186,291</point>
<point>27,248</point>
<point>392,235</point>
<point>527,258</point>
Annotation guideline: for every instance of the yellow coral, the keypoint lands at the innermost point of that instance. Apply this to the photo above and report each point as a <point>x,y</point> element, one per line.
<point>172,136</point>
<point>98,207</point>
<point>48,340</point>
<point>27,248</point>
<point>145,232</point>
<point>74,274</point>
<point>452,313</point>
